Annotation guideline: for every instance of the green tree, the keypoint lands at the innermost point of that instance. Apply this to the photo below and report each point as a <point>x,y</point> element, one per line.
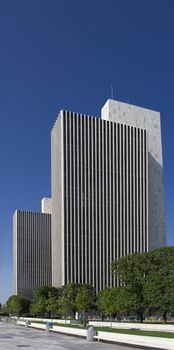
<point>85,299</point>
<point>18,305</point>
<point>132,272</point>
<point>4,309</point>
<point>39,307</point>
<point>160,288</point>
<point>64,307</point>
<point>43,300</point>
<point>52,304</point>
<point>67,301</point>
<point>148,279</point>
<point>45,291</point>
<point>108,301</point>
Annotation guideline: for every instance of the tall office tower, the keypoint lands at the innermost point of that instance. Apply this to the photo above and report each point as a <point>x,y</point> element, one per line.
<point>31,251</point>
<point>126,114</point>
<point>103,173</point>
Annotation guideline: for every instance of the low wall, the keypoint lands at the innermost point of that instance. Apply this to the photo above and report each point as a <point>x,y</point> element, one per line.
<point>153,342</point>
<point>21,323</point>
<point>142,326</point>
<point>37,325</point>
<point>69,330</point>
<point>31,324</point>
<point>59,329</point>
<point>46,320</point>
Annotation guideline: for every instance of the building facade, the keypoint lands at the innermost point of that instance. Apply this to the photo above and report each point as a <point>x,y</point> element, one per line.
<point>102,178</point>
<point>107,200</point>
<point>31,251</point>
<point>46,205</point>
<point>148,120</point>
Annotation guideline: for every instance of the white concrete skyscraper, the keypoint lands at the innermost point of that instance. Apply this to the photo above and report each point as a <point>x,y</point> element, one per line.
<point>126,114</point>
<point>107,191</point>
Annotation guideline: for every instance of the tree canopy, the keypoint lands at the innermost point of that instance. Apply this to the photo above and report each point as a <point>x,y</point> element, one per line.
<point>160,288</point>
<point>109,301</point>
<point>18,305</point>
<point>148,280</point>
<point>45,291</point>
<point>67,301</point>
<point>85,298</point>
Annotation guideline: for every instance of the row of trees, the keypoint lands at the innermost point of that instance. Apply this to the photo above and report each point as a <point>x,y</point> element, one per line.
<point>53,301</point>
<point>145,285</point>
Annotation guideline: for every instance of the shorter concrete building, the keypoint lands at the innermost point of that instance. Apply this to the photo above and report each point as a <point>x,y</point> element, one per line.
<point>31,251</point>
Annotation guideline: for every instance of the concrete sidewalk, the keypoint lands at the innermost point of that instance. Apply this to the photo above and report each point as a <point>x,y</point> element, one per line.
<point>16,337</point>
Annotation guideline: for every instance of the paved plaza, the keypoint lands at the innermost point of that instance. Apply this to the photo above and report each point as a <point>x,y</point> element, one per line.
<point>16,337</point>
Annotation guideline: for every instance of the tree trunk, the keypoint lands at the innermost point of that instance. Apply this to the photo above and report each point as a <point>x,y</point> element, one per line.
<point>140,316</point>
<point>111,321</point>
<point>164,316</point>
<point>84,318</point>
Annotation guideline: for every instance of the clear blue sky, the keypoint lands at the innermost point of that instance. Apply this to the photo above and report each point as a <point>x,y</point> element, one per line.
<point>58,54</point>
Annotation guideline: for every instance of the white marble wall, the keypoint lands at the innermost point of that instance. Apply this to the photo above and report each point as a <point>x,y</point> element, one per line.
<point>139,117</point>
<point>46,205</point>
